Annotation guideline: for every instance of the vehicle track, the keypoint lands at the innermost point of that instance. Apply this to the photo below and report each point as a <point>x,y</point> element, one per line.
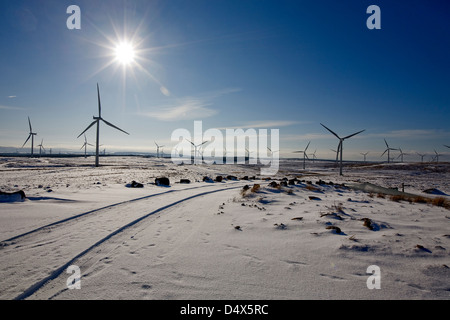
<point>54,224</point>
<point>31,261</point>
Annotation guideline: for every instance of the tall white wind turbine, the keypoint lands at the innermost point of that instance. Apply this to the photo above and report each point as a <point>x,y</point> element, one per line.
<point>388,149</point>
<point>305,156</point>
<point>340,145</point>
<point>97,121</point>
<point>30,135</point>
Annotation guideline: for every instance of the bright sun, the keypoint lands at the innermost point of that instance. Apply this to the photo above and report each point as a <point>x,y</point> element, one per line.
<point>125,53</point>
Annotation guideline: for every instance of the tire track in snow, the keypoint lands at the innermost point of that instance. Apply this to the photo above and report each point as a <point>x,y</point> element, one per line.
<point>55,273</point>
<point>62,221</point>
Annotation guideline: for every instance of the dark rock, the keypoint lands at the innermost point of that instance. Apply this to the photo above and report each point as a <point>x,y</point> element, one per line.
<point>219,178</point>
<point>163,181</point>
<point>12,196</point>
<point>185,181</point>
<point>135,184</point>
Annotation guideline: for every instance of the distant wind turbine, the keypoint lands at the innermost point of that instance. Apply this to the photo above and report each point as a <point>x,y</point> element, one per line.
<point>31,134</point>
<point>421,156</point>
<point>401,154</point>
<point>340,145</point>
<point>157,149</point>
<point>85,146</point>
<point>446,146</point>
<point>41,146</point>
<point>388,149</point>
<point>196,147</point>
<point>97,121</point>
<point>305,156</point>
<point>437,156</point>
<point>314,155</point>
<point>365,154</point>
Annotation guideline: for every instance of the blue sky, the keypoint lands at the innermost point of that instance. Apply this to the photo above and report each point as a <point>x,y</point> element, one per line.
<point>287,65</point>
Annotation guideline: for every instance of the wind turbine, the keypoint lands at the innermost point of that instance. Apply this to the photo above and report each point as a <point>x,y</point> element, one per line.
<point>305,156</point>
<point>388,149</point>
<point>97,121</point>
<point>365,154</point>
<point>31,134</point>
<point>85,146</point>
<point>41,146</point>
<point>437,156</point>
<point>314,155</point>
<point>421,156</point>
<point>401,154</point>
<point>196,147</point>
<point>157,149</point>
<point>340,145</point>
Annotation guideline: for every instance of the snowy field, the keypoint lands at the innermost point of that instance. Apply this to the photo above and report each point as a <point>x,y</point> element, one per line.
<point>313,238</point>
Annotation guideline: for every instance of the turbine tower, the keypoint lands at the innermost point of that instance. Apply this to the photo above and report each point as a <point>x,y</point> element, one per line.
<point>31,134</point>
<point>85,146</point>
<point>388,149</point>
<point>97,121</point>
<point>305,156</point>
<point>340,145</point>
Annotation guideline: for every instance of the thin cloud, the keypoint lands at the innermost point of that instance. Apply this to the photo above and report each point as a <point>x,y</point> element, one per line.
<point>187,108</point>
<point>263,124</point>
<point>11,108</point>
<point>410,133</point>
<point>12,97</point>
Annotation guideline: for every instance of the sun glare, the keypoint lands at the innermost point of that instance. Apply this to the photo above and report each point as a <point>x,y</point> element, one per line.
<point>125,53</point>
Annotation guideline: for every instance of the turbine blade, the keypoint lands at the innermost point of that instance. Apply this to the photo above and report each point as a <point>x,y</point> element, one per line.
<point>384,152</point>
<point>29,122</point>
<point>111,125</point>
<point>307,146</point>
<point>26,140</point>
<point>353,134</point>
<point>386,143</point>
<point>446,146</point>
<point>94,122</point>
<point>99,103</point>
<point>331,131</point>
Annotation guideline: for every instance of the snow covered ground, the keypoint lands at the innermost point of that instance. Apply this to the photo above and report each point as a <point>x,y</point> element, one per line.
<point>215,240</point>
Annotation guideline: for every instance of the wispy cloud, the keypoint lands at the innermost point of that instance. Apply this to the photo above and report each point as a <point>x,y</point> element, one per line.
<point>12,97</point>
<point>10,108</point>
<point>263,124</point>
<point>410,133</point>
<point>187,108</point>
